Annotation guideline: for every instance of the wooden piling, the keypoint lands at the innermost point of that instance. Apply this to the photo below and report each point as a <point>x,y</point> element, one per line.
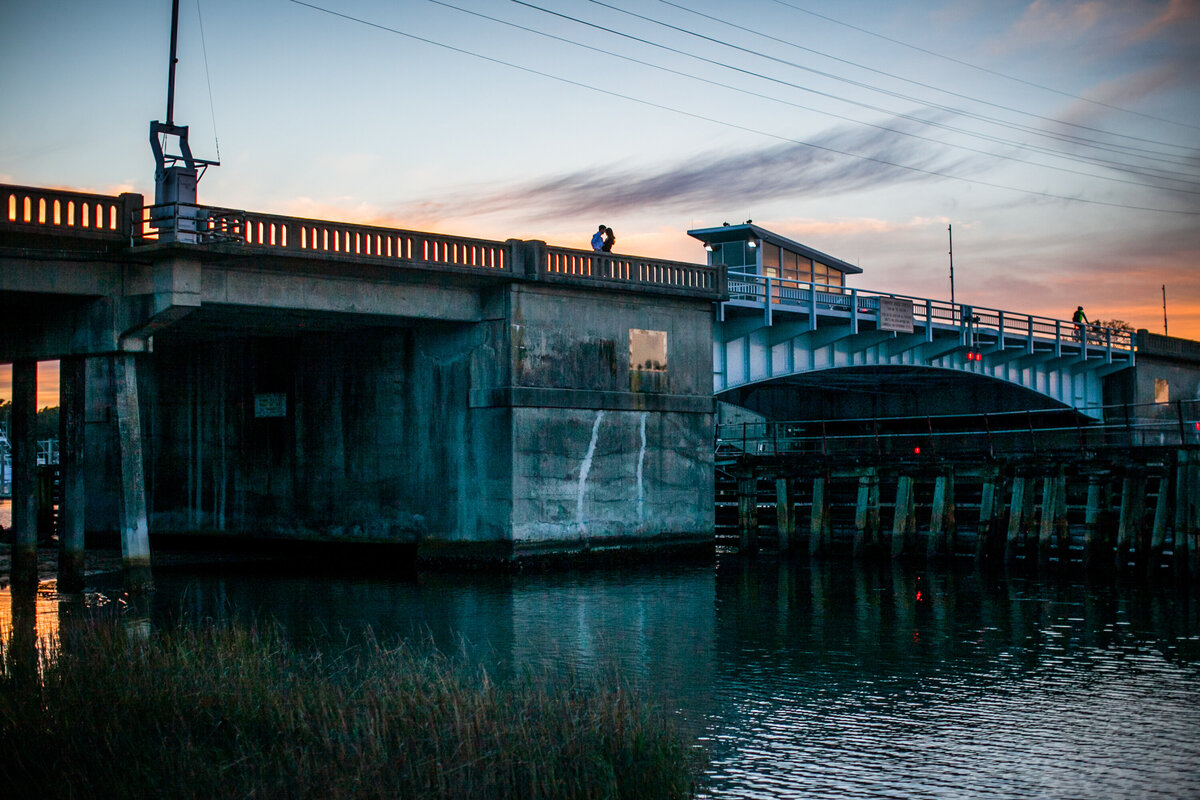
<point>1158,530</point>
<point>1096,546</point>
<point>785,511</point>
<point>748,513</point>
<point>990,503</point>
<point>820,531</point>
<point>1052,530</point>
<point>1019,513</point>
<point>866,513</point>
<point>941,519</point>
<point>1130,522</point>
<point>904,523</point>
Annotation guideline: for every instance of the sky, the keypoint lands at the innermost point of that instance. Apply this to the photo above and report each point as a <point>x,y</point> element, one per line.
<point>1059,140</point>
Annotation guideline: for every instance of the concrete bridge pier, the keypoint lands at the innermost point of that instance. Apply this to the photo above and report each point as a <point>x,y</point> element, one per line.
<point>72,384</point>
<point>24,473</point>
<point>135,532</point>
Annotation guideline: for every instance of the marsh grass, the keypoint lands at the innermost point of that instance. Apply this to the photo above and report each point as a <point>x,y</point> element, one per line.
<point>234,711</point>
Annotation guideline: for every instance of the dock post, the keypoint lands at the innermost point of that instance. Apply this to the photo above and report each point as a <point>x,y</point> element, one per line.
<point>748,514</point>
<point>1095,532</point>
<point>1053,525</point>
<point>941,519</point>
<point>1158,531</point>
<point>72,381</point>
<point>23,435</point>
<point>990,503</point>
<point>903,520</point>
<point>1181,545</point>
<point>819,529</point>
<point>785,513</point>
<point>1018,517</point>
<point>1132,503</point>
<point>135,534</point>
<point>866,513</point>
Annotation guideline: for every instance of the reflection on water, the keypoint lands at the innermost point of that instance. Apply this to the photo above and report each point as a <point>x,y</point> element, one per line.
<point>822,681</point>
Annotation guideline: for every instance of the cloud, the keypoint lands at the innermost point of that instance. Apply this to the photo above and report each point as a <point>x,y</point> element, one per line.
<point>1047,20</point>
<point>718,179</point>
<point>1176,13</point>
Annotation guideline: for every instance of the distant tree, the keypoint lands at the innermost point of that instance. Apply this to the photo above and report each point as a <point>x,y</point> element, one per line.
<point>45,426</point>
<point>1115,324</point>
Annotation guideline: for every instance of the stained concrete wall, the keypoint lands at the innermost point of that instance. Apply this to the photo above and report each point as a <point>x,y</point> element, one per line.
<point>525,432</point>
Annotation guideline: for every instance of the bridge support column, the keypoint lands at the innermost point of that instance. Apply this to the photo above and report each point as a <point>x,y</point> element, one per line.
<point>24,474</point>
<point>785,510</point>
<point>1020,511</point>
<point>135,535</point>
<point>941,520</point>
<point>819,529</point>
<point>904,520</point>
<point>748,514</point>
<point>866,513</point>
<point>990,503</point>
<point>71,382</point>
<point>1133,490</point>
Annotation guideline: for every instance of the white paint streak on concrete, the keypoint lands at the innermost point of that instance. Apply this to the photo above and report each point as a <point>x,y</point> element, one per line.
<point>585,468</point>
<point>641,487</point>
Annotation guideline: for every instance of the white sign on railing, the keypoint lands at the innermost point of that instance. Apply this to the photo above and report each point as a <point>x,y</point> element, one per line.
<point>895,314</point>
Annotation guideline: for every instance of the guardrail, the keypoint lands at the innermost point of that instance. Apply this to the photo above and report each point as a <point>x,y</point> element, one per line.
<point>1045,431</point>
<point>984,325</point>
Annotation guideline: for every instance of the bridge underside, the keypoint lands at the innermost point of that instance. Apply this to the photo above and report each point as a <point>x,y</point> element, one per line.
<point>885,391</point>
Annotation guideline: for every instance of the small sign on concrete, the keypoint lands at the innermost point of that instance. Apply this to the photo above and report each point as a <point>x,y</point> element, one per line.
<point>271,404</point>
<point>895,314</point>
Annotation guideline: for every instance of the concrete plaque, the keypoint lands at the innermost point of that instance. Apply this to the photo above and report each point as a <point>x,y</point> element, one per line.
<point>272,404</point>
<point>895,315</point>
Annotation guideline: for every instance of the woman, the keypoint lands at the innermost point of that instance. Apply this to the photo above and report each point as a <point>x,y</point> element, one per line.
<point>609,238</point>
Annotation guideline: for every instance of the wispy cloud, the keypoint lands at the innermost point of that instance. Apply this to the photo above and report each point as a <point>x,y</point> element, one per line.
<point>719,179</point>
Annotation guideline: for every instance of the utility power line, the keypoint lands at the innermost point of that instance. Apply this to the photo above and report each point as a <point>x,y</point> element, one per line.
<point>732,125</point>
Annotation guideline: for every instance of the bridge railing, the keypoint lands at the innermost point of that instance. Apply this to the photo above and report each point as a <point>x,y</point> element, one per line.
<point>995,434</point>
<point>36,210</point>
<point>193,224</point>
<point>984,325</point>
<point>567,263</point>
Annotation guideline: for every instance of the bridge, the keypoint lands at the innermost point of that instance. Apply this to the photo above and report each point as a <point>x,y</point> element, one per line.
<point>225,373</point>
<point>235,374</point>
<point>777,330</point>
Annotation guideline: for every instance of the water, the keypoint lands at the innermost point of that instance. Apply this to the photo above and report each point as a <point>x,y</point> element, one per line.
<point>822,681</point>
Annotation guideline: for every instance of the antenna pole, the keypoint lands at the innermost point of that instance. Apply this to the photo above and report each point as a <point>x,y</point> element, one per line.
<point>950,232</point>
<point>171,68</point>
<point>1164,290</point>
